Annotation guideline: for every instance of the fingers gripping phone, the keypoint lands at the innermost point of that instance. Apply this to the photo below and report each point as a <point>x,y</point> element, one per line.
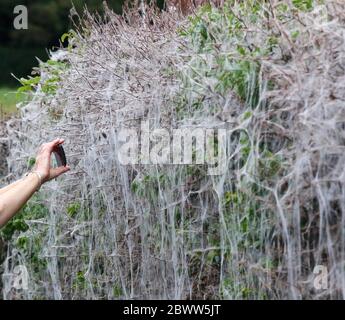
<point>60,156</point>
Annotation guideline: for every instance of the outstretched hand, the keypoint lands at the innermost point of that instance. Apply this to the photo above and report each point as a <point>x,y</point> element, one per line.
<point>43,163</point>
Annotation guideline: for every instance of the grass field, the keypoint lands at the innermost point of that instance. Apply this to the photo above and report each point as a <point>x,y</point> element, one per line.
<point>8,100</point>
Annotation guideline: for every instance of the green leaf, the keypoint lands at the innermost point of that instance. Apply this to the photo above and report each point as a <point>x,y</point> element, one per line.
<point>64,37</point>
<point>304,5</point>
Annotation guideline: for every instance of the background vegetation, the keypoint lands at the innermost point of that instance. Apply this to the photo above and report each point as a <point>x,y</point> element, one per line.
<point>48,20</point>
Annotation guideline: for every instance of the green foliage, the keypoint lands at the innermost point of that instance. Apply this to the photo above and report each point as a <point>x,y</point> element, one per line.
<point>237,71</point>
<point>80,280</point>
<point>68,37</point>
<point>231,288</point>
<point>303,5</point>
<point>269,164</point>
<point>73,209</point>
<point>54,70</point>
<point>238,76</point>
<point>28,84</point>
<point>27,240</point>
<point>117,291</point>
<point>33,210</point>
<point>15,224</point>
<point>148,186</point>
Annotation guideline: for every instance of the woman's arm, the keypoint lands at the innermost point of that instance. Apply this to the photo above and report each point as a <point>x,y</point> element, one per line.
<point>10,186</point>
<point>16,197</point>
<point>13,197</point>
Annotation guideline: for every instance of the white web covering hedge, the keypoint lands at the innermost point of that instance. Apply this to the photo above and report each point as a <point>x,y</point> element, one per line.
<point>273,76</point>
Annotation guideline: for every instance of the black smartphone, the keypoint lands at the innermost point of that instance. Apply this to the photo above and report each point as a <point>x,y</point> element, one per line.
<point>60,156</point>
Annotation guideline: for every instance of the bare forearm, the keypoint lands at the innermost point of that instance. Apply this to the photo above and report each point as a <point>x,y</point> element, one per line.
<point>5,189</point>
<point>16,196</point>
